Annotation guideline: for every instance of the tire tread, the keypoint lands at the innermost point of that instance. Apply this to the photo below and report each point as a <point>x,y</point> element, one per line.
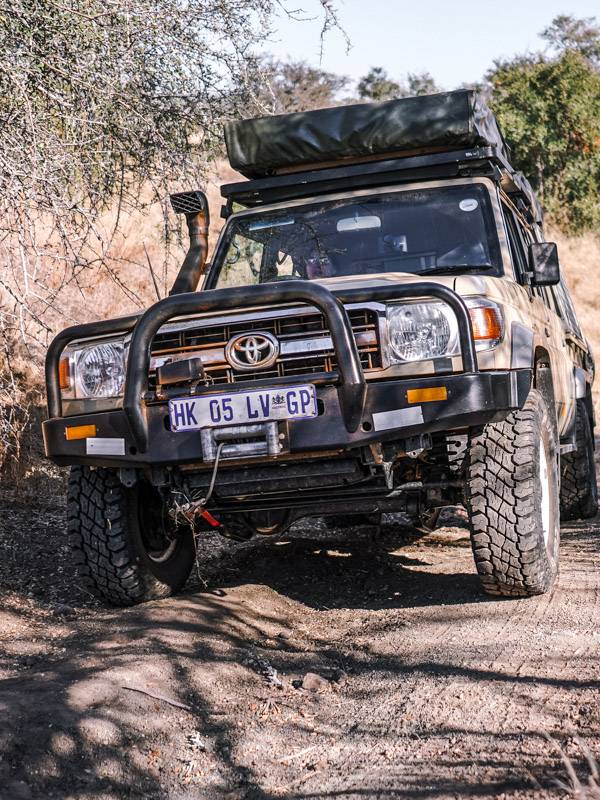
<point>96,523</point>
<point>578,496</point>
<point>501,504</point>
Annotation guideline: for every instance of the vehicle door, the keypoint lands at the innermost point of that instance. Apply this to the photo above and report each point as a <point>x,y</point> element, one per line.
<point>546,320</point>
<point>575,343</point>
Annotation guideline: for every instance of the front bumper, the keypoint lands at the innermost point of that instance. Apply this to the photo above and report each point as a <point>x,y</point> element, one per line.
<point>353,412</point>
<point>387,415</point>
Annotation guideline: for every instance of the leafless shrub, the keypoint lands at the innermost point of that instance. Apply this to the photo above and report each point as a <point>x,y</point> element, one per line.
<point>106,106</point>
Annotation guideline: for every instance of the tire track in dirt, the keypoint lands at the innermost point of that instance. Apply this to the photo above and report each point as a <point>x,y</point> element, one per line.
<point>525,678</point>
<point>447,693</point>
<point>553,651</point>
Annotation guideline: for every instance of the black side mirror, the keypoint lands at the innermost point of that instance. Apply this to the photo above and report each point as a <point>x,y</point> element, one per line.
<point>543,263</point>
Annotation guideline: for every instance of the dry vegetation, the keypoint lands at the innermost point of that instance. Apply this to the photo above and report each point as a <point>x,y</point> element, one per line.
<point>117,285</point>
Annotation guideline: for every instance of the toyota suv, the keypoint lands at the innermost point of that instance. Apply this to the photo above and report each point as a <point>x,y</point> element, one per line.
<point>383,328</point>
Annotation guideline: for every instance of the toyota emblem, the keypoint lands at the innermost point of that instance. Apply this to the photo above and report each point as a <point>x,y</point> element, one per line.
<point>249,351</point>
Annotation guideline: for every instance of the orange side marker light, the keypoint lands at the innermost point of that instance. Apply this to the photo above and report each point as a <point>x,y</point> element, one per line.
<point>486,323</point>
<point>64,373</point>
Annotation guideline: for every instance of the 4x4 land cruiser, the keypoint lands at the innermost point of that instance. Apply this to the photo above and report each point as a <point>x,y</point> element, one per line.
<point>383,328</point>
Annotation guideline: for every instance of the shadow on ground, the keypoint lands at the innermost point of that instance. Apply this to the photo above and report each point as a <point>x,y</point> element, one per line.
<point>418,674</point>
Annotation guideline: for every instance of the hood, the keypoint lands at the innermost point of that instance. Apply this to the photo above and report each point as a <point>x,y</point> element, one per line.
<point>383,279</point>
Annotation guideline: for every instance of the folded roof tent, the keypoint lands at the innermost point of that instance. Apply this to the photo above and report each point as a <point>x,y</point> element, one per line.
<point>453,120</point>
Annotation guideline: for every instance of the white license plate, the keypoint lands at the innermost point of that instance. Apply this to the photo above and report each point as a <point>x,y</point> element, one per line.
<point>243,408</point>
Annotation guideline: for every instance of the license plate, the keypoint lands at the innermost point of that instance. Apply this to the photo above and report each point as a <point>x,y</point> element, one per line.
<point>243,408</point>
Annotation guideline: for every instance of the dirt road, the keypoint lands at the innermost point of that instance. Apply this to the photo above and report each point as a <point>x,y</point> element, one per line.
<point>427,688</point>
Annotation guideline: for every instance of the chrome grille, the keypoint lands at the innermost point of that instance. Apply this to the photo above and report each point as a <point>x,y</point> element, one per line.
<point>296,334</point>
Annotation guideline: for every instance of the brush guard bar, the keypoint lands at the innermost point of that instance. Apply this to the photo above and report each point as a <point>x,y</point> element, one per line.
<point>349,375</point>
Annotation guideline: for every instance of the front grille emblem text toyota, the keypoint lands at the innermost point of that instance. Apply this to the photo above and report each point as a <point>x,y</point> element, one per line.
<point>250,351</point>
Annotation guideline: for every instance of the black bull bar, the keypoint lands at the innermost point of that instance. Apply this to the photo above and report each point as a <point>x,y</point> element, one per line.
<point>349,375</point>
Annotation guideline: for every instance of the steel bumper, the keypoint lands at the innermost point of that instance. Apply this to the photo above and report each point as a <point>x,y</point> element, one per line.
<point>387,415</point>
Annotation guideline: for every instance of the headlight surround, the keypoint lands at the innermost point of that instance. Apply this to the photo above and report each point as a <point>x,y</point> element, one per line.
<point>96,370</point>
<point>420,331</point>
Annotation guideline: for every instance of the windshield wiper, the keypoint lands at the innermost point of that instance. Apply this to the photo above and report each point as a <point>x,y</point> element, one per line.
<point>456,268</point>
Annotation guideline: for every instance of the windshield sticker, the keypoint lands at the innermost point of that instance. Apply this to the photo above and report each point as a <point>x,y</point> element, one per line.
<point>470,204</point>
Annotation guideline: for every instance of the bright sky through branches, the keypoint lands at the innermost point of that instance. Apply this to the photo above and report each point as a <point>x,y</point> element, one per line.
<point>455,42</point>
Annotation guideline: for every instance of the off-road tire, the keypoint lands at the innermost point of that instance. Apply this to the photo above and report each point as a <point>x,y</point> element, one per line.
<point>116,534</point>
<point>578,488</point>
<point>513,512</point>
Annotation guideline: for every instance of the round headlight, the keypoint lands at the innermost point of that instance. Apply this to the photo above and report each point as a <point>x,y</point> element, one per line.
<point>101,370</point>
<point>419,331</point>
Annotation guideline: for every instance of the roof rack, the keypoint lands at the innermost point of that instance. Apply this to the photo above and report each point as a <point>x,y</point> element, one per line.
<point>488,161</point>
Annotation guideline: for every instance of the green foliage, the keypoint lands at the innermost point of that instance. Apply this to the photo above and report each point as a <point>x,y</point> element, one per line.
<point>569,33</point>
<point>420,83</point>
<point>376,85</point>
<point>549,111</point>
<point>282,87</point>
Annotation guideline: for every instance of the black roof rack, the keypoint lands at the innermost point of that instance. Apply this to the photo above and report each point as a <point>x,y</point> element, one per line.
<point>488,161</point>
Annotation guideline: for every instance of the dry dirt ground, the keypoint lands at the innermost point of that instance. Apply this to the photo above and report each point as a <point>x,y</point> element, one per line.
<point>427,688</point>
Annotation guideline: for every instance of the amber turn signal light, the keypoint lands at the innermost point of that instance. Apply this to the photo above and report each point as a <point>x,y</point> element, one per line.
<point>80,432</point>
<point>486,323</point>
<point>64,373</point>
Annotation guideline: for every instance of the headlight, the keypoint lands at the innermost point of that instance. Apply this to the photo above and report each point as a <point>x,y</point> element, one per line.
<point>94,371</point>
<point>421,331</point>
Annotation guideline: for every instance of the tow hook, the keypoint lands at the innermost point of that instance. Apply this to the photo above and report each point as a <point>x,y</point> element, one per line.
<point>195,507</point>
<point>190,510</point>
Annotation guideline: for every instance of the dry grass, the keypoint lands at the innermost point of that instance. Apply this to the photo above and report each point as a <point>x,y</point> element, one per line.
<point>118,285</point>
<point>100,296</point>
<point>576,789</point>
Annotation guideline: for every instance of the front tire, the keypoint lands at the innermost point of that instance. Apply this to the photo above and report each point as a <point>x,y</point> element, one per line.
<point>513,501</point>
<point>578,487</point>
<point>127,549</point>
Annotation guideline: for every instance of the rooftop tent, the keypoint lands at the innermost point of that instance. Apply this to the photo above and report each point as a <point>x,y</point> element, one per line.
<point>452,120</point>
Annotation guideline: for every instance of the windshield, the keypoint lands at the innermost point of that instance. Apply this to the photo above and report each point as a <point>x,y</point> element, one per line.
<point>430,230</point>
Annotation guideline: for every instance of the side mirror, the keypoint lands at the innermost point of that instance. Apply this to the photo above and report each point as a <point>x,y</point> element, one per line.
<point>543,264</point>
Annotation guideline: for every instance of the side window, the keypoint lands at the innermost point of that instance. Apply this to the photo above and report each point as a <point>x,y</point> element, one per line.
<point>516,245</point>
<point>566,307</point>
<point>553,302</point>
<point>524,239</point>
<point>544,293</point>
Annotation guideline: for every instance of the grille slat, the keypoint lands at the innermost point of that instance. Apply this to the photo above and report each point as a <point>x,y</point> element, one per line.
<point>292,329</point>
